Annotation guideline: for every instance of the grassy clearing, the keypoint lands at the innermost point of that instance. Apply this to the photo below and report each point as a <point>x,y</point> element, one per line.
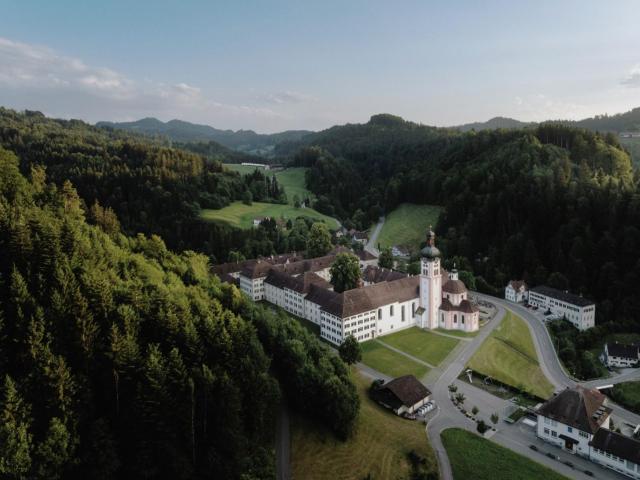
<point>627,394</point>
<point>407,225</point>
<point>426,346</point>
<point>472,456</point>
<point>379,446</point>
<point>292,179</point>
<point>240,215</point>
<point>457,333</point>
<point>509,356</point>
<point>391,363</point>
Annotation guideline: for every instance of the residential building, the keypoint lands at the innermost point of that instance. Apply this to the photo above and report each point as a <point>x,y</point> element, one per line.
<point>570,419</point>
<point>577,421</point>
<point>620,355</point>
<point>402,395</point>
<point>516,291</point>
<point>360,237</point>
<point>575,309</point>
<point>617,452</point>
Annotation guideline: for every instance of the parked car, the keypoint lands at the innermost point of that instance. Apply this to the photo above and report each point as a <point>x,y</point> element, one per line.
<point>533,447</point>
<point>569,464</point>
<point>551,455</point>
<point>588,473</point>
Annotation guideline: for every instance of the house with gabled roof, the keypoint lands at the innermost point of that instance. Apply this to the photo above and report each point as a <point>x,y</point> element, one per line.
<point>402,395</point>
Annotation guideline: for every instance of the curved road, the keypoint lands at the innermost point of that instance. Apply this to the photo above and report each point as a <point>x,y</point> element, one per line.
<point>553,369</point>
<point>448,416</point>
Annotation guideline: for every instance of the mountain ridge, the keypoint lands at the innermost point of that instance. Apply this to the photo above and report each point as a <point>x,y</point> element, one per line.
<point>177,130</point>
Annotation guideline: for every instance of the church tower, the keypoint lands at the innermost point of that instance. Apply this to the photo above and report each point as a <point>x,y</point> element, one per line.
<point>430,282</point>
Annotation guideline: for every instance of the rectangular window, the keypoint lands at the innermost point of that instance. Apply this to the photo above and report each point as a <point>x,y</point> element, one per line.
<point>391,311</point>
<point>379,313</point>
<point>402,312</point>
<point>569,429</point>
<point>554,434</point>
<point>546,431</point>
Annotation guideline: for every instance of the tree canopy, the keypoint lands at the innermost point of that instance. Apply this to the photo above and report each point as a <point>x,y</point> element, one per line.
<point>345,272</point>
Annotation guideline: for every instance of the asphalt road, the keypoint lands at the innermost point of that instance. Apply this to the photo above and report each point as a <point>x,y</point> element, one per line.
<point>371,244</point>
<point>283,444</point>
<point>552,368</point>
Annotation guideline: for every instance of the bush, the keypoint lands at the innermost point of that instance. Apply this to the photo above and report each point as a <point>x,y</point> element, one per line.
<point>482,427</point>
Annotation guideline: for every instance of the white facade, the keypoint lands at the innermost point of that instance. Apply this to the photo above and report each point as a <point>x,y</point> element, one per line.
<point>620,465</point>
<point>582,317</point>
<point>254,287</point>
<point>516,292</point>
<point>430,292</point>
<point>396,316</point>
<point>620,356</point>
<point>426,309</point>
<point>551,430</point>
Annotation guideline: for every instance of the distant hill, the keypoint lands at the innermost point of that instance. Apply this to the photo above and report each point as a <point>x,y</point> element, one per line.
<point>495,122</point>
<point>618,123</point>
<point>180,131</point>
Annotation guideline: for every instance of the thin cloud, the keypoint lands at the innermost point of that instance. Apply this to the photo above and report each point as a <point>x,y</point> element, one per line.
<point>69,87</point>
<point>287,97</point>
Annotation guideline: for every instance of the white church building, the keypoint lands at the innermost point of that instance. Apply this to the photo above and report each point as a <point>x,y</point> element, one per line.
<point>383,304</point>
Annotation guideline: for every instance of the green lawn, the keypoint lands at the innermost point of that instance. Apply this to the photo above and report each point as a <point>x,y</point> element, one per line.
<point>391,363</point>
<point>627,394</point>
<point>240,215</point>
<point>407,225</point>
<point>473,457</point>
<point>457,333</point>
<point>379,446</point>
<point>426,346</point>
<point>292,179</point>
<point>509,356</point>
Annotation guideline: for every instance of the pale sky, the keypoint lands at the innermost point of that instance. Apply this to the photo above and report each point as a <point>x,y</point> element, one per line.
<point>272,66</point>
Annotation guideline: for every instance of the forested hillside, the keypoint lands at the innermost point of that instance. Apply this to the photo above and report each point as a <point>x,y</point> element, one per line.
<point>122,359</point>
<point>551,204</point>
<point>152,188</point>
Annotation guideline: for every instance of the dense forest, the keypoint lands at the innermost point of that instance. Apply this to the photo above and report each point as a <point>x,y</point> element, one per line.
<point>553,204</point>
<point>122,359</point>
<point>152,188</point>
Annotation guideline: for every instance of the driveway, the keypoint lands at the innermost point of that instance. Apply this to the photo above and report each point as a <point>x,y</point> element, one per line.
<point>373,238</point>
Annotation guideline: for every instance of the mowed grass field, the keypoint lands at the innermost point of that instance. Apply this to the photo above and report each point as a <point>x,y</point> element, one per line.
<point>292,179</point>
<point>426,346</point>
<point>378,447</point>
<point>407,225</point>
<point>391,363</point>
<point>457,333</point>
<point>509,356</point>
<point>473,457</point>
<point>240,215</point>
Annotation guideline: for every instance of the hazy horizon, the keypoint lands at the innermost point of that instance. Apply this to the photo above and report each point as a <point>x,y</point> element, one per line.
<point>283,65</point>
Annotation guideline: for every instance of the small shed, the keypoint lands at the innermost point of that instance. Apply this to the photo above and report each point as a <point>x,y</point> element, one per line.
<point>402,395</point>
